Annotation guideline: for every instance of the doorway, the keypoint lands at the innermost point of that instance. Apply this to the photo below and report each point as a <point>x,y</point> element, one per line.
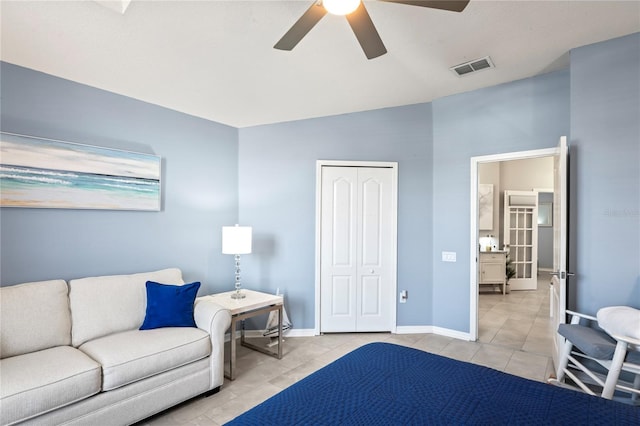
<point>498,226</point>
<point>356,234</point>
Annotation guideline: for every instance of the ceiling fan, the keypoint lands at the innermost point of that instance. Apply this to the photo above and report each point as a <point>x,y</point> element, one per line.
<point>359,20</point>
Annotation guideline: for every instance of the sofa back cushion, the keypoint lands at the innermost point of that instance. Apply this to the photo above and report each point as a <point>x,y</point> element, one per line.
<point>34,316</point>
<point>110,304</point>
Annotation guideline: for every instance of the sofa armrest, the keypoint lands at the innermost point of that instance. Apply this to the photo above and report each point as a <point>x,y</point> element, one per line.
<point>215,320</point>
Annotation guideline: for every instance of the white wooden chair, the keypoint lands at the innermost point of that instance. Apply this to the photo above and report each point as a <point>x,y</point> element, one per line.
<point>615,346</point>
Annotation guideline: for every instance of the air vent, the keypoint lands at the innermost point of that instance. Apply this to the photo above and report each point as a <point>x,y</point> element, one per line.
<point>472,66</point>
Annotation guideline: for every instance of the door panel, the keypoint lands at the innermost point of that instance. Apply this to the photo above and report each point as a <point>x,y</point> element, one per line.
<point>521,236</point>
<point>356,235</point>
<point>370,296</point>
<point>491,270</point>
<point>371,222</point>
<point>560,227</point>
<point>342,222</point>
<point>374,250</point>
<point>338,250</point>
<point>341,296</point>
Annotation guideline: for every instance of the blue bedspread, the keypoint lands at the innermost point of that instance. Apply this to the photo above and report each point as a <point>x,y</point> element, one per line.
<point>385,384</point>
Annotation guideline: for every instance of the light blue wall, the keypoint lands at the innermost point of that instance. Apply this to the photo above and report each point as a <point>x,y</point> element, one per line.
<point>277,197</point>
<point>523,115</point>
<point>268,181</point>
<point>277,188</point>
<point>605,173</point>
<point>199,187</point>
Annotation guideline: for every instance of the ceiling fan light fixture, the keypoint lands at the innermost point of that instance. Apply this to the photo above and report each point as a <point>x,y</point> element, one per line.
<point>340,7</point>
<point>358,19</point>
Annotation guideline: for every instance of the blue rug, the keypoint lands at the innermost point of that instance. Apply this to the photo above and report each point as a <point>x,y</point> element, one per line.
<point>385,384</point>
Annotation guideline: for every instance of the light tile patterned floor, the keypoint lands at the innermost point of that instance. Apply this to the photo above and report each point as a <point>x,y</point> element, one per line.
<point>514,336</point>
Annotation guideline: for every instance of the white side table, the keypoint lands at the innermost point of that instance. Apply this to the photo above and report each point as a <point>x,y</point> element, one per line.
<point>255,303</point>
<point>492,269</point>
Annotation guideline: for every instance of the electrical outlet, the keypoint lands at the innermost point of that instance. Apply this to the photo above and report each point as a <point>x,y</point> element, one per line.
<point>448,256</point>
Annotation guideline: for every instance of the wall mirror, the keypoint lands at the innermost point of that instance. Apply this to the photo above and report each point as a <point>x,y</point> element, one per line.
<point>545,214</point>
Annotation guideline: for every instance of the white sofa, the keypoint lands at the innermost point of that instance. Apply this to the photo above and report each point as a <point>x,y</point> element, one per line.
<point>73,353</point>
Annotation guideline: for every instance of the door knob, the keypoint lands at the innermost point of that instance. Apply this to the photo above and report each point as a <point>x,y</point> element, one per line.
<point>372,271</point>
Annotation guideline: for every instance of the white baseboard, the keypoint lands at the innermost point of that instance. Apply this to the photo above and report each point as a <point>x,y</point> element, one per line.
<point>451,333</point>
<point>432,329</point>
<point>414,329</point>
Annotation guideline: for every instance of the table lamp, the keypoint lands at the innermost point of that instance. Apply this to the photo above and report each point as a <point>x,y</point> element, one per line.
<point>236,240</point>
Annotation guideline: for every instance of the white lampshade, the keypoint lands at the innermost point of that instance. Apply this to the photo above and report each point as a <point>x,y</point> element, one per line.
<point>340,7</point>
<point>236,239</point>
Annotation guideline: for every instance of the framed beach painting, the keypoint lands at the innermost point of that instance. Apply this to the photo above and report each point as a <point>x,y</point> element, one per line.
<point>44,173</point>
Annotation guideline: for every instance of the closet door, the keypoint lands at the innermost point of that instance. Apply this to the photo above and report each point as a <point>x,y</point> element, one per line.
<point>521,236</point>
<point>356,249</point>
<point>374,292</point>
<point>338,257</point>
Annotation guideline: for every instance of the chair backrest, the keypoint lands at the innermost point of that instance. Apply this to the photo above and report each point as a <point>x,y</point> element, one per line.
<point>109,304</point>
<point>34,316</point>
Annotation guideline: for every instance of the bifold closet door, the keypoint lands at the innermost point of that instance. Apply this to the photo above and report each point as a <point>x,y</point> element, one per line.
<point>355,278</point>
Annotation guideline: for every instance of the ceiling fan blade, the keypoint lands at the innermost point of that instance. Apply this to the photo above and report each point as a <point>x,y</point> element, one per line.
<point>452,5</point>
<point>302,26</point>
<point>366,32</point>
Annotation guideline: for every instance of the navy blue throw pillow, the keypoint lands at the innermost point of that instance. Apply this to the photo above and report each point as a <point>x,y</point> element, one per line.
<point>170,305</point>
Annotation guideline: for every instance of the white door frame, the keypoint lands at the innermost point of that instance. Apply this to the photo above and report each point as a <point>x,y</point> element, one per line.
<point>394,229</point>
<point>473,244</point>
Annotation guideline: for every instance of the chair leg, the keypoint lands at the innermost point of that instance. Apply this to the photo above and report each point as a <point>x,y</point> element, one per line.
<point>614,371</point>
<point>636,386</point>
<point>565,352</point>
<point>564,360</point>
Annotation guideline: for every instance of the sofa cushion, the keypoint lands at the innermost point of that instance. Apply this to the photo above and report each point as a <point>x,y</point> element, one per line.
<point>136,354</point>
<point>42,381</point>
<point>110,304</point>
<point>34,316</point>
<point>170,305</point>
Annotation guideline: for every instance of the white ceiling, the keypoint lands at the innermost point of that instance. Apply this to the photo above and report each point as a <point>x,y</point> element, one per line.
<point>214,59</point>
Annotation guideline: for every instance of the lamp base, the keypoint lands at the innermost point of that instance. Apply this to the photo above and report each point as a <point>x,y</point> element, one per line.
<point>238,295</point>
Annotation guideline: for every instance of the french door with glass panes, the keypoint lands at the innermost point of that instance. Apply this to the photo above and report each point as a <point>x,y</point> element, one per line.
<point>521,237</point>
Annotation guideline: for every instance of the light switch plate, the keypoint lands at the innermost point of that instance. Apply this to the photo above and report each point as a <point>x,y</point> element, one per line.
<point>448,256</point>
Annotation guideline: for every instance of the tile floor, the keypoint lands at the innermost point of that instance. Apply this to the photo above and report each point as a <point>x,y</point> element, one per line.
<point>514,336</point>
